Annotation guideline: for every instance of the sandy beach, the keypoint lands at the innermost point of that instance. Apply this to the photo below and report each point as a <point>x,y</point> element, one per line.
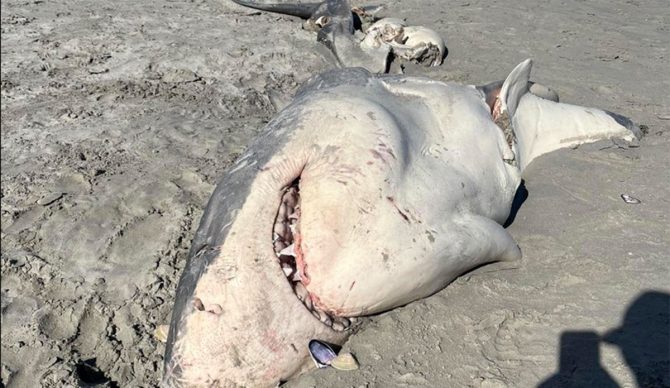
<point>118,119</point>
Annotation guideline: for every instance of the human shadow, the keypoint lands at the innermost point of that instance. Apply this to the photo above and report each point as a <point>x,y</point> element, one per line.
<point>644,340</point>
<point>579,363</point>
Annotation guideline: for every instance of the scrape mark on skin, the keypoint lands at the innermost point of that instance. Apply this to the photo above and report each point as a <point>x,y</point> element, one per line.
<point>331,149</point>
<point>235,356</point>
<point>242,164</point>
<point>363,211</point>
<point>392,200</point>
<point>574,139</point>
<point>385,256</point>
<point>271,341</point>
<point>377,155</point>
<point>352,285</point>
<point>385,148</point>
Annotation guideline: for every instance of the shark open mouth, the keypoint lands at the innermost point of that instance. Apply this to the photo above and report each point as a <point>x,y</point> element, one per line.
<point>286,241</point>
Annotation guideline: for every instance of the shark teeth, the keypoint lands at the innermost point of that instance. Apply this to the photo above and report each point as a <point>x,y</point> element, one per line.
<point>288,251</point>
<point>283,241</point>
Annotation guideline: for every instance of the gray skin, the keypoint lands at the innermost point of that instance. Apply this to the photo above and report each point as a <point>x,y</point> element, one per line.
<point>336,33</point>
<point>237,322</point>
<point>226,201</point>
<point>301,10</point>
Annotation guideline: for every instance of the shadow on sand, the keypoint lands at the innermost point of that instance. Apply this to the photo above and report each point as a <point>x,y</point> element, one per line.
<point>644,341</point>
<point>520,197</point>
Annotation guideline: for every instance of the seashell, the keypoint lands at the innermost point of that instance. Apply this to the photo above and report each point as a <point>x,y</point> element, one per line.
<point>630,200</point>
<point>161,333</point>
<point>321,353</point>
<point>344,361</point>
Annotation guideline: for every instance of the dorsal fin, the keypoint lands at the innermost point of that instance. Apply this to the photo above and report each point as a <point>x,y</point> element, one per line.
<point>515,86</point>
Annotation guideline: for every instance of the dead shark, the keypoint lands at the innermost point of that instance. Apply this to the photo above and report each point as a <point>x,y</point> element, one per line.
<point>366,193</point>
<point>358,38</point>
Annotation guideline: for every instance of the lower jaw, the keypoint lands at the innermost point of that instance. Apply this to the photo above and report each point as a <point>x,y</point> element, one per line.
<point>286,243</point>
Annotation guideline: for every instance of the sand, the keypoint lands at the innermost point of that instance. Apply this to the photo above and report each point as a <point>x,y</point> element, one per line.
<point>119,117</point>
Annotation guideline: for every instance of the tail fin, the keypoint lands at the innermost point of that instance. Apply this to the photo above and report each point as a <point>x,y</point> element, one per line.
<point>301,10</point>
<point>541,125</point>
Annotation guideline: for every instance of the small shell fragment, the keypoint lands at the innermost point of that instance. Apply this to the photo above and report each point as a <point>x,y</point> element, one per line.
<point>630,200</point>
<point>161,333</point>
<point>49,199</point>
<point>321,353</point>
<point>344,361</point>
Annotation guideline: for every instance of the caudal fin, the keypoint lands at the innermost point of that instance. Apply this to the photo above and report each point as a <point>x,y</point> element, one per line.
<point>541,125</point>
<point>301,10</point>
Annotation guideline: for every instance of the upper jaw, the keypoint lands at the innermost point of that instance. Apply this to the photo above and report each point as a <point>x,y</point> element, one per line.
<point>287,247</point>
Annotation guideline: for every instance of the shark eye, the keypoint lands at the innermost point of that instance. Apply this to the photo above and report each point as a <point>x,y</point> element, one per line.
<point>322,21</point>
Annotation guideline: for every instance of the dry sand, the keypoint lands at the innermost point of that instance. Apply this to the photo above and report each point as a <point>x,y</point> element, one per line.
<point>119,117</point>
